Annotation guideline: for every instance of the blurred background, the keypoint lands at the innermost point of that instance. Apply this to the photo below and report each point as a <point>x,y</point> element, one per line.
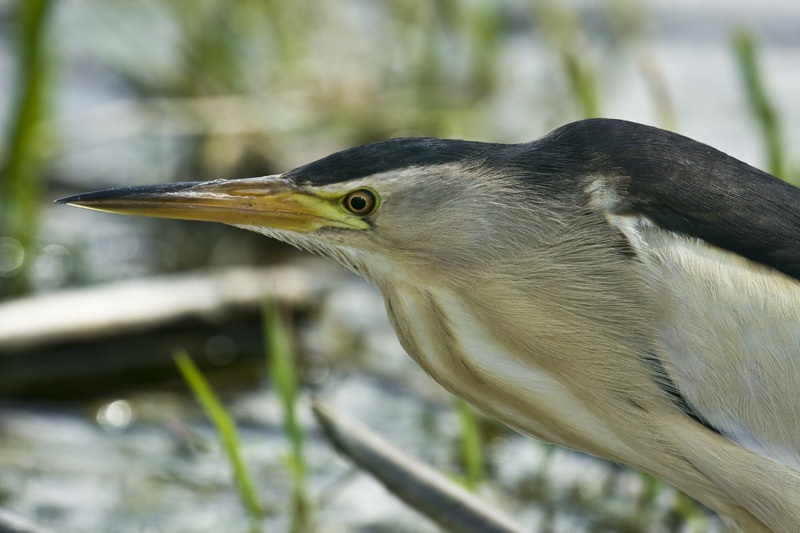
<point>99,431</point>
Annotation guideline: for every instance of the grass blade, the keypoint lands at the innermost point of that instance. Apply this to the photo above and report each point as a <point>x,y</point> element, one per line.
<point>471,447</point>
<point>280,362</point>
<point>226,428</point>
<point>745,48</point>
<point>283,373</point>
<point>583,83</point>
<point>21,170</point>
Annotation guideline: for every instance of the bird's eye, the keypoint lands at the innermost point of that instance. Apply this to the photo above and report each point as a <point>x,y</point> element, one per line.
<point>361,202</point>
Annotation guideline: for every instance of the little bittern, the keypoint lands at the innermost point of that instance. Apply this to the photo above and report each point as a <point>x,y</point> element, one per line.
<point>611,287</point>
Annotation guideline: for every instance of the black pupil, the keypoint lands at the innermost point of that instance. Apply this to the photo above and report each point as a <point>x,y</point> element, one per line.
<point>358,203</point>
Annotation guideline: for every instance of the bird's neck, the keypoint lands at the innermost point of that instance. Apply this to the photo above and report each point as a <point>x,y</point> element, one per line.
<point>503,348</point>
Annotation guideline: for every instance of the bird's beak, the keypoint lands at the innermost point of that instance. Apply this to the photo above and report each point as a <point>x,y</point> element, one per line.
<point>270,202</point>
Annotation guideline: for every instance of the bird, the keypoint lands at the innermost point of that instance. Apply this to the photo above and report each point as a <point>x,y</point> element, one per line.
<point>610,287</point>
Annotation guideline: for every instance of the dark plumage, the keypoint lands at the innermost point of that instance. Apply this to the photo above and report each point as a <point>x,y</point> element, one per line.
<point>679,183</point>
<point>688,187</point>
<point>384,156</point>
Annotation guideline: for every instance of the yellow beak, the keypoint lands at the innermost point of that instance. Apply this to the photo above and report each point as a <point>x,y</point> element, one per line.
<point>271,202</point>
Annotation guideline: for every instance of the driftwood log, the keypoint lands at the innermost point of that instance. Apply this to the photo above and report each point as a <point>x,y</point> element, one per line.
<point>82,342</point>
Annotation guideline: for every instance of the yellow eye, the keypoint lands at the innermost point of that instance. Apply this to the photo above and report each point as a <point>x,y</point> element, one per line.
<point>361,202</point>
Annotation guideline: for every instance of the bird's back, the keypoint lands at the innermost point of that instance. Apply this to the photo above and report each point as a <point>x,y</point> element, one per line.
<point>718,242</point>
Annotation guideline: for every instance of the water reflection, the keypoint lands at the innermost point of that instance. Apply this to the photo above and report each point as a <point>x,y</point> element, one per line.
<point>220,350</point>
<point>498,449</point>
<point>315,370</point>
<point>12,255</point>
<point>52,267</point>
<point>116,415</point>
<point>118,243</point>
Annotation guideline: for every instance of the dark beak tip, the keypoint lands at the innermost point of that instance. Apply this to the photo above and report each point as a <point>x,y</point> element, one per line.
<point>127,193</point>
<point>78,199</point>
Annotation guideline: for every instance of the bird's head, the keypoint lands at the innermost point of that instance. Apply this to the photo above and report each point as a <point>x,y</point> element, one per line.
<point>422,202</point>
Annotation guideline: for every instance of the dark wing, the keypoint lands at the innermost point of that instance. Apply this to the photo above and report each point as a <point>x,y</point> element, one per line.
<point>688,187</point>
